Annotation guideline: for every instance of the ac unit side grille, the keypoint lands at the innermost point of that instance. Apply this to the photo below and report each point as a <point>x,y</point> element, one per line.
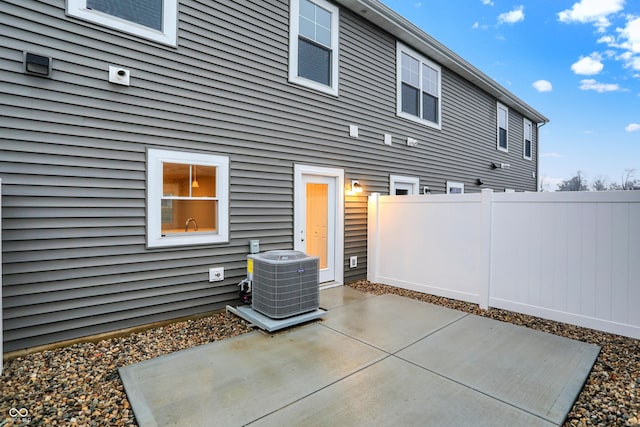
<point>285,286</point>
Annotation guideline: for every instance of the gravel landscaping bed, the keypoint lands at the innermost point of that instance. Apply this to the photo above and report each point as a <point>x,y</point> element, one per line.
<point>79,385</point>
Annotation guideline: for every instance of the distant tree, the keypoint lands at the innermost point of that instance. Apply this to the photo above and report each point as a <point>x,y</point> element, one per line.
<point>626,182</point>
<point>577,183</point>
<point>600,184</point>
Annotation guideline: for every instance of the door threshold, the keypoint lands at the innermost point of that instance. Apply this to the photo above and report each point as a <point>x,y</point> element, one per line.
<point>329,285</point>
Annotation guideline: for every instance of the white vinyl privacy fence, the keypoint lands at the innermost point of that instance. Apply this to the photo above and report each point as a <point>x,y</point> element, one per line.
<point>572,257</point>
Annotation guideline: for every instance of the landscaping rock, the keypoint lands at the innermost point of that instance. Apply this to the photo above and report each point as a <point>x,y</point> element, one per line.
<point>79,385</point>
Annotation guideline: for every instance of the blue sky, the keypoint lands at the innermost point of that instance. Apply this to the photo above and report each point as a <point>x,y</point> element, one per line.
<point>578,63</point>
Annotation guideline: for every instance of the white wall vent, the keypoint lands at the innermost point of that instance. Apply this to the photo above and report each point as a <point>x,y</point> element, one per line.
<point>285,283</point>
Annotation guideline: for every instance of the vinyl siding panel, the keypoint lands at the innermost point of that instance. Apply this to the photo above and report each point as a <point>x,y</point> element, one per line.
<point>73,155</point>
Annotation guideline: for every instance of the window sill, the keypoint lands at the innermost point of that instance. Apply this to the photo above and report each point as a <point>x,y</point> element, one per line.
<point>301,81</point>
<point>186,239</point>
<point>415,119</point>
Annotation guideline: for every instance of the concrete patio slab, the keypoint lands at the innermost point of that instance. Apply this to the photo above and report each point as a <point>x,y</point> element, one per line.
<point>390,322</point>
<point>535,371</point>
<point>377,360</point>
<point>235,381</point>
<point>394,392</point>
<point>340,295</point>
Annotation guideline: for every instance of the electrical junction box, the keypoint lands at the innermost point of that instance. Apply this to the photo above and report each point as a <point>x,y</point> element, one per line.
<point>216,274</point>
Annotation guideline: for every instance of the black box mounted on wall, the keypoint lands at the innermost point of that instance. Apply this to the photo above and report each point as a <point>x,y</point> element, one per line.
<point>37,65</point>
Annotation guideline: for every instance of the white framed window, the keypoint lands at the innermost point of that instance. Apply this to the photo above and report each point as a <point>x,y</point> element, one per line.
<point>455,187</point>
<point>313,45</point>
<point>155,20</point>
<point>187,198</point>
<point>502,135</point>
<point>528,138</point>
<point>403,185</point>
<point>419,85</point>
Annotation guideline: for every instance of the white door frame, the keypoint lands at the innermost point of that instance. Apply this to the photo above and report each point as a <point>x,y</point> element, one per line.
<point>300,223</point>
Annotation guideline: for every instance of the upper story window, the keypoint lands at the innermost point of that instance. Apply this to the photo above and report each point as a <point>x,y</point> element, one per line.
<point>151,19</point>
<point>503,128</point>
<point>187,198</point>
<point>418,92</point>
<point>313,45</point>
<point>528,135</point>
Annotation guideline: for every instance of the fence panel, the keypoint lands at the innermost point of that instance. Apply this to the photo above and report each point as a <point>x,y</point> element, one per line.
<point>433,247</point>
<point>570,257</point>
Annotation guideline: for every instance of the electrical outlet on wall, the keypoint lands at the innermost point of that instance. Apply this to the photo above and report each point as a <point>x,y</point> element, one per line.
<point>216,274</point>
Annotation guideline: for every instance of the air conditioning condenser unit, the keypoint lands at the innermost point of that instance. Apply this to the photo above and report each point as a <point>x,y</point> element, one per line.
<point>284,283</point>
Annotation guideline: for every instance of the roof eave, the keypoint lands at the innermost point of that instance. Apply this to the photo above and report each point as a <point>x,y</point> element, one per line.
<point>384,17</point>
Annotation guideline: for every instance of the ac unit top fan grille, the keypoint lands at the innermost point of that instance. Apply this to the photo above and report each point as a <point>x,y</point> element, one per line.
<point>285,283</point>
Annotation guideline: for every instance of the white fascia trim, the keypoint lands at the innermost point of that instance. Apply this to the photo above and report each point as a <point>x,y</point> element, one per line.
<point>378,13</point>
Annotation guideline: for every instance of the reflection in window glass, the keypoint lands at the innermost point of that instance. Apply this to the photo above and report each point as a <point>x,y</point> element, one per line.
<point>143,12</point>
<point>314,43</point>
<point>419,94</point>
<point>189,200</point>
<point>314,62</point>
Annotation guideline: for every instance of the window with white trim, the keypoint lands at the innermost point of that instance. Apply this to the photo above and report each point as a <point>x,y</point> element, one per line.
<point>313,45</point>
<point>418,91</point>
<point>187,198</point>
<point>155,20</point>
<point>502,142</point>
<point>403,185</point>
<point>528,144</point>
<point>455,187</point>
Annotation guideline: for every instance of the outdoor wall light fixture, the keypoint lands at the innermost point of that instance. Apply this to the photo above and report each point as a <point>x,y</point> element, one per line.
<point>37,65</point>
<point>355,186</point>
<point>480,181</point>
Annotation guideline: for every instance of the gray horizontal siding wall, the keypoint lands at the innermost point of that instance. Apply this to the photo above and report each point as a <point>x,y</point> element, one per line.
<point>72,155</point>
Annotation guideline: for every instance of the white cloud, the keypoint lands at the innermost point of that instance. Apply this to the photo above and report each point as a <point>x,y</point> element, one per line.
<point>592,11</point>
<point>478,26</point>
<point>516,15</point>
<point>542,86</point>
<point>588,65</point>
<point>591,84</point>
<point>634,63</point>
<point>487,2</point>
<point>632,127</point>
<point>630,35</point>
<point>418,4</point>
<point>608,40</point>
